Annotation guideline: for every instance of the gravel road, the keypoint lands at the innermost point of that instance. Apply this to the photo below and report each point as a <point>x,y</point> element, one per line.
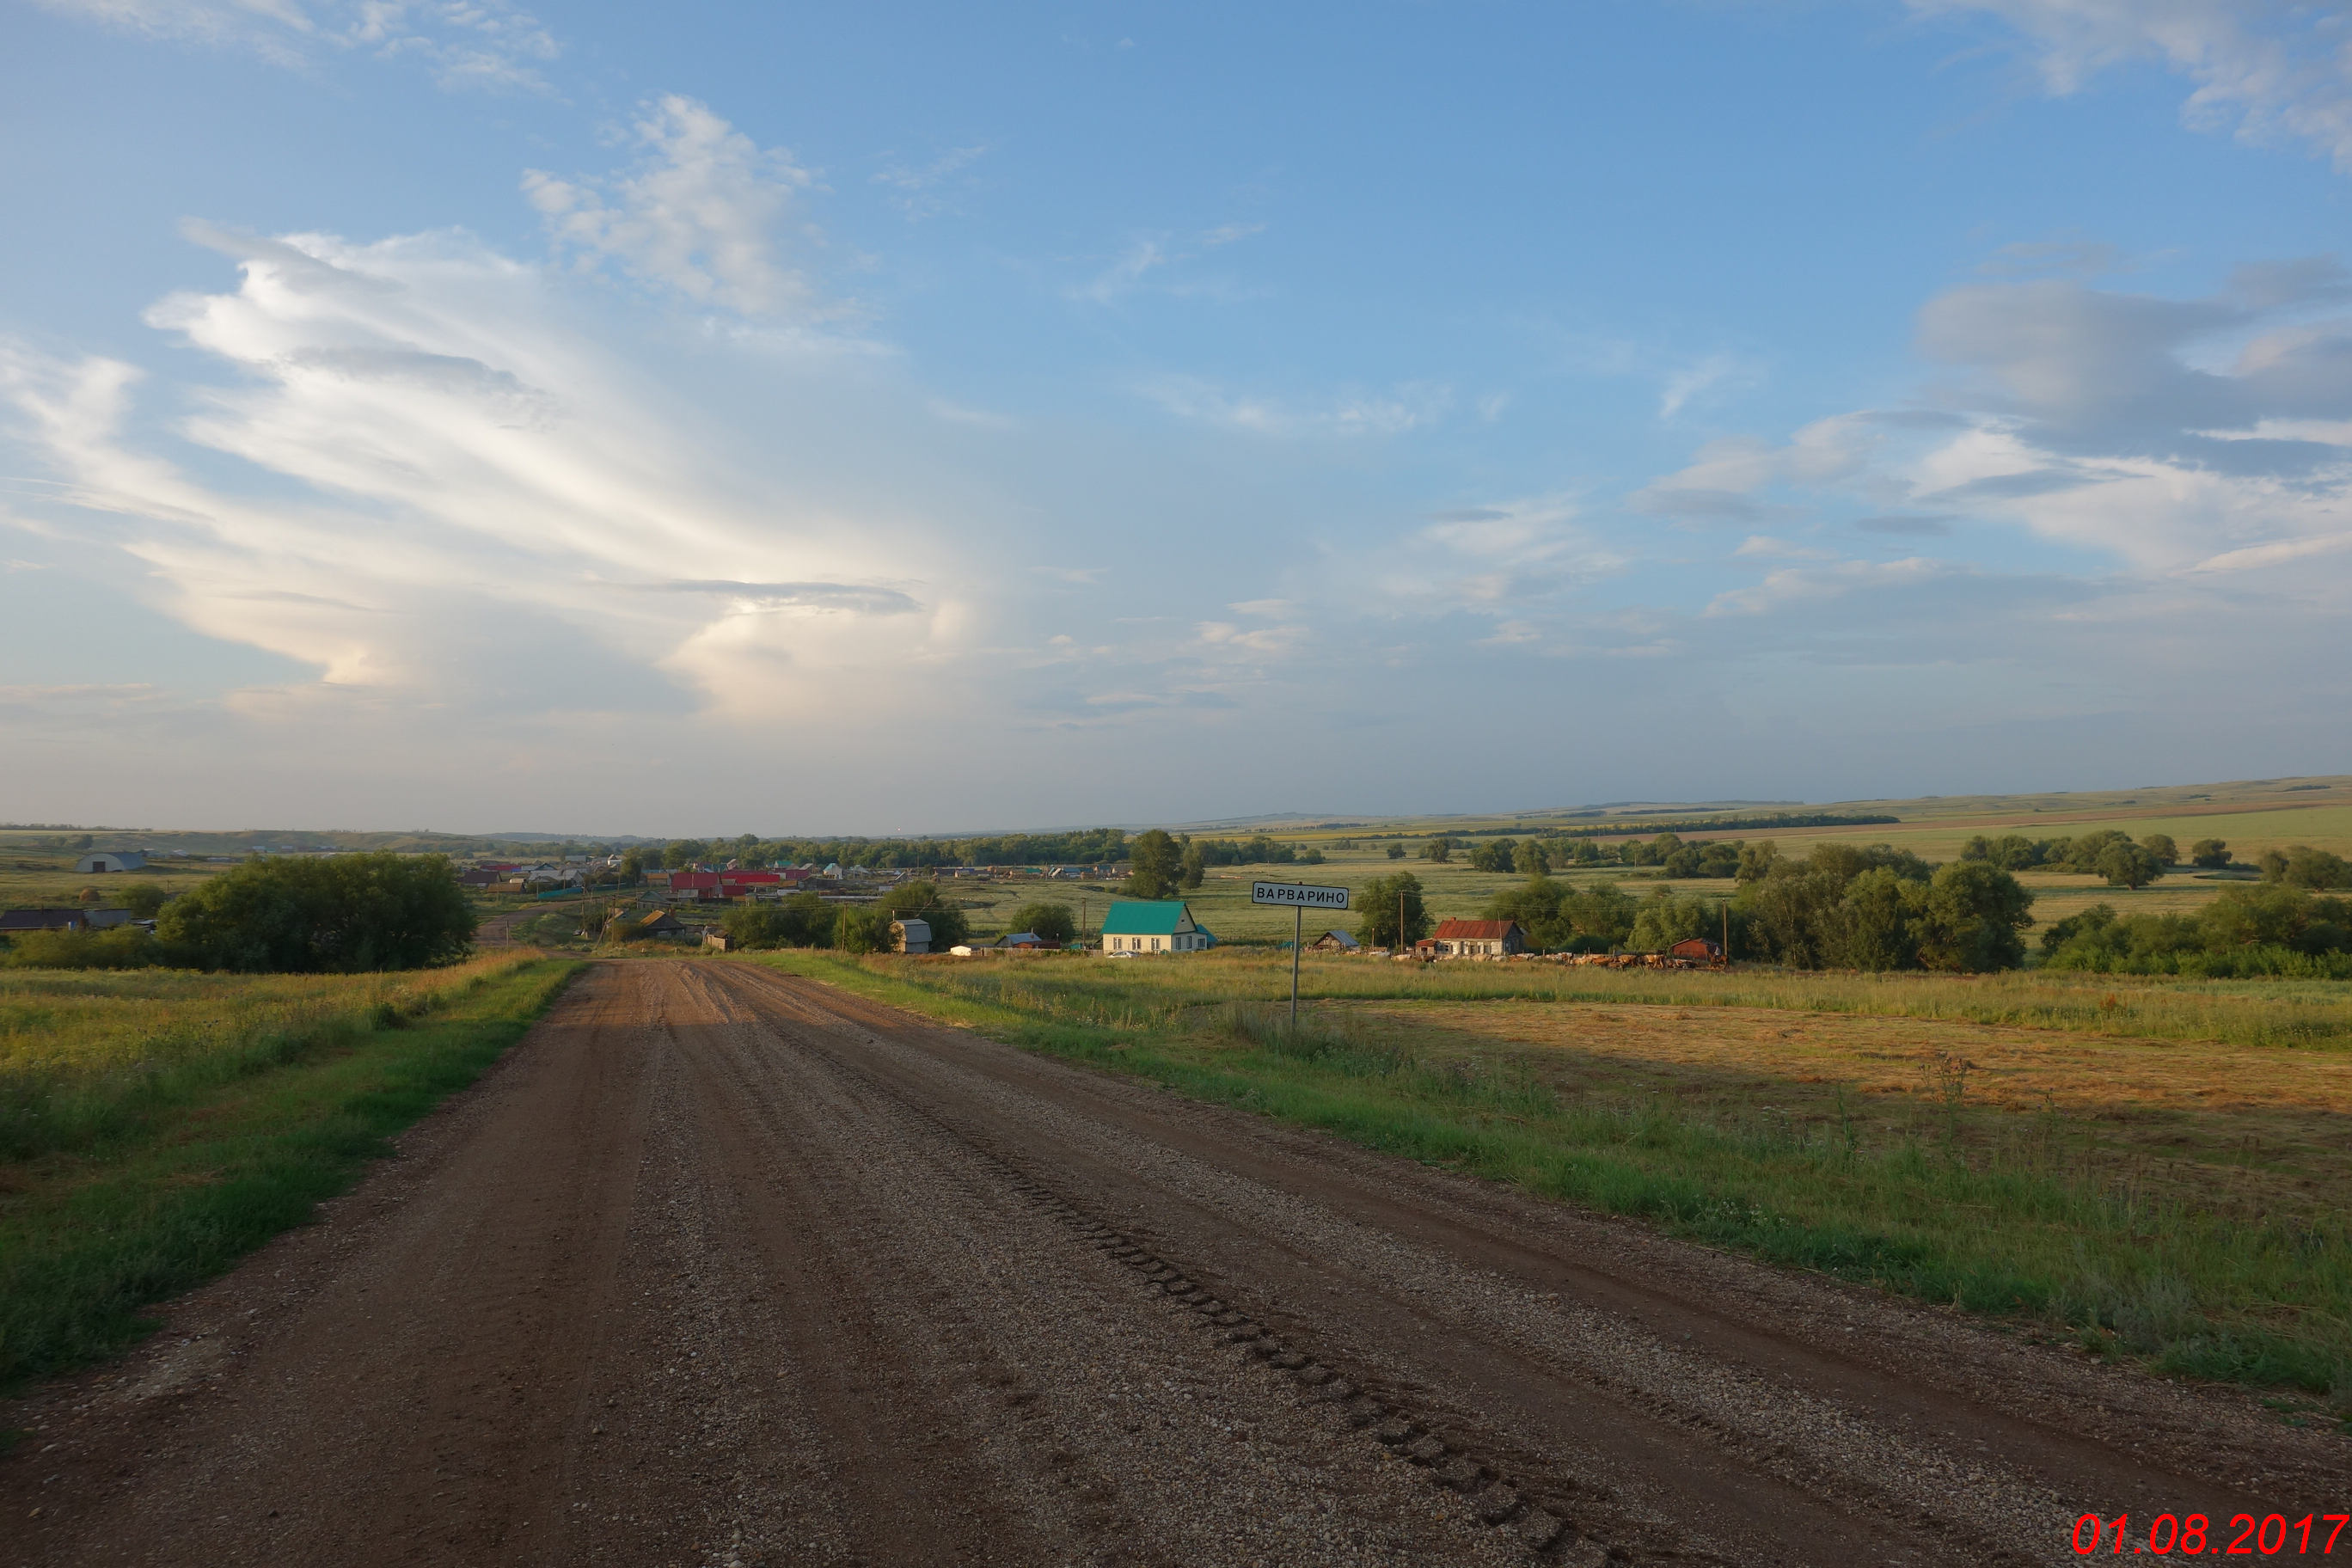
<point>721,1267</point>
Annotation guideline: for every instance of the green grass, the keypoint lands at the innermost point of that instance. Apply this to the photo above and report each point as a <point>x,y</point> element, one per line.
<point>138,1173</point>
<point>2005,1215</point>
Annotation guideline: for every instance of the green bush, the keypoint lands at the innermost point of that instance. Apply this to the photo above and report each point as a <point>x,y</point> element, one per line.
<point>1052,922</point>
<point>336,914</point>
<point>124,947</point>
<point>2275,929</point>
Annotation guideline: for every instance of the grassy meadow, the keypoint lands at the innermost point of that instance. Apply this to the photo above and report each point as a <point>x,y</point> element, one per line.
<point>2153,1168</point>
<point>156,1125</point>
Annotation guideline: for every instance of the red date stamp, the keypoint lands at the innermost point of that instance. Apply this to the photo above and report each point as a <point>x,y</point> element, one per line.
<point>2194,1534</point>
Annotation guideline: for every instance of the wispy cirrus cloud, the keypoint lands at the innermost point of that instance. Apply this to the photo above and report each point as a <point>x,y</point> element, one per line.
<point>426,478</point>
<point>484,44</point>
<point>1349,413</point>
<point>2269,70</point>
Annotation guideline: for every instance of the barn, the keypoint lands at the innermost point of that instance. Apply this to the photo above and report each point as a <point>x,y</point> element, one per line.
<point>111,860</point>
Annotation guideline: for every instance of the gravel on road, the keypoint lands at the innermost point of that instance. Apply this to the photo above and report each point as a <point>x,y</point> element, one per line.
<point>724,1267</point>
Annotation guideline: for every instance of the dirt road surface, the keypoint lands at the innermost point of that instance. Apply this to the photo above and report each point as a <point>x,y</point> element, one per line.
<point>721,1267</point>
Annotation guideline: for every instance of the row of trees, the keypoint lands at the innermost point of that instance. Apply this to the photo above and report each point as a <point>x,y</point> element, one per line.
<point>1162,865</point>
<point>2125,863</point>
<point>2276,929</point>
<point>337,914</point>
<point>804,919</point>
<point>1082,847</point>
<point>1840,907</point>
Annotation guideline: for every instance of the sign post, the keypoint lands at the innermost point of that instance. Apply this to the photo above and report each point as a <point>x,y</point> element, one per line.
<point>1301,897</point>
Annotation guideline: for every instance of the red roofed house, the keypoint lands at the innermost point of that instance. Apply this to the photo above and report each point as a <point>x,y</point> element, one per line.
<point>1475,939</point>
<point>698,885</point>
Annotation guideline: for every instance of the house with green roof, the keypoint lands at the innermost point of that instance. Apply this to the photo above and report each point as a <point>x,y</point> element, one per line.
<point>1162,925</point>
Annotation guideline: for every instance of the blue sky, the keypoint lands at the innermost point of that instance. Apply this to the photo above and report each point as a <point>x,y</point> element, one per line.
<point>885,418</point>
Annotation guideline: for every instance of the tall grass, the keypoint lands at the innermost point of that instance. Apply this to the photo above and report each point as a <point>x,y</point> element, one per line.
<point>159,1157</point>
<point>2019,1219</point>
<point>88,1056</point>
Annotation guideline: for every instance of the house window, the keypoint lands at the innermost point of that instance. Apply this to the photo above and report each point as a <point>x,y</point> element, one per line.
<point>1155,944</point>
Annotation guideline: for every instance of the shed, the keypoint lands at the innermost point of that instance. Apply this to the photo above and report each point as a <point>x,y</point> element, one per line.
<point>1704,950</point>
<point>42,919</point>
<point>663,925</point>
<point>111,860</point>
<point>910,936</point>
<point>1161,925</point>
<point>1335,941</point>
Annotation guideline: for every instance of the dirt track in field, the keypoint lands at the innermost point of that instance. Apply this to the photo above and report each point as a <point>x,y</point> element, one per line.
<point>721,1267</point>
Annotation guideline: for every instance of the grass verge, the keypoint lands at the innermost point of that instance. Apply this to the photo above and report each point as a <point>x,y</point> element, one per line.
<point>2015,1228</point>
<point>135,1183</point>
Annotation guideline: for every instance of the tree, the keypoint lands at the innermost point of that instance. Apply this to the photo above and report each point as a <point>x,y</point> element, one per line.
<point>2161,846</point>
<point>2300,865</point>
<point>2128,865</point>
<point>751,927</point>
<point>921,902</point>
<point>2084,854</point>
<point>1158,864</point>
<point>1195,867</point>
<point>2209,853</point>
<point>1383,899</point>
<point>339,914</point>
<point>1973,917</point>
<point>1396,851</point>
<point>1438,850</point>
<point>1531,860</point>
<point>1877,921</point>
<point>863,930</point>
<point>1494,855</point>
<point>1052,922</point>
<point>1666,919</point>
<point>683,852</point>
<point>143,899</point>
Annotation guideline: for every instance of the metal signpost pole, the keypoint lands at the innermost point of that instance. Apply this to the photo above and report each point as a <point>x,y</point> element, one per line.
<point>1298,931</point>
<point>1297,896</point>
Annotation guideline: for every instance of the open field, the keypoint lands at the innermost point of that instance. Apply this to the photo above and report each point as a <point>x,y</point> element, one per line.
<point>156,1124</point>
<point>724,1265</point>
<point>2159,1166</point>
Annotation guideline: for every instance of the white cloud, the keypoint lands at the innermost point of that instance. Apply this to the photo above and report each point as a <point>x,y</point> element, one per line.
<point>1789,586</point>
<point>699,214</point>
<point>427,480</point>
<point>1505,559</point>
<point>2270,70</point>
<point>1397,412</point>
<point>1723,483</point>
<point>917,190</point>
<point>2170,434</point>
<point>1696,380</point>
<point>464,43</point>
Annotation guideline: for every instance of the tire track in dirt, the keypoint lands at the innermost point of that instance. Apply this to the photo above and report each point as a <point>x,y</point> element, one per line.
<point>724,1269</point>
<point>1772,1384</point>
